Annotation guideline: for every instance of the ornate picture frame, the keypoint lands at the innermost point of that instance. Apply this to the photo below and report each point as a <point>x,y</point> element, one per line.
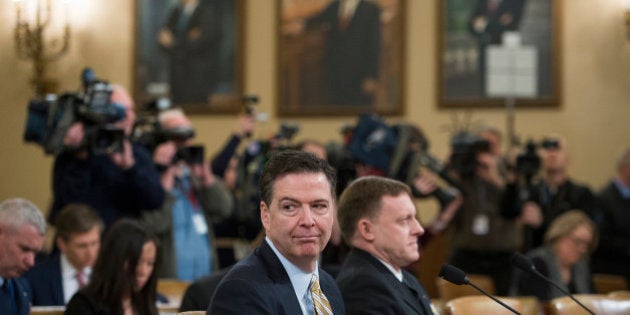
<point>468,29</point>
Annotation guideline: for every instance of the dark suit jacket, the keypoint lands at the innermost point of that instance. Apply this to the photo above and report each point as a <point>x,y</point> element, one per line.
<point>352,54</point>
<point>46,283</point>
<point>198,294</point>
<point>22,295</point>
<point>613,252</point>
<point>259,284</point>
<point>368,287</point>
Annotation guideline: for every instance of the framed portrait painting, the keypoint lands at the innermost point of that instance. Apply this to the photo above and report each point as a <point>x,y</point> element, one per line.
<point>493,50</point>
<point>340,57</point>
<point>191,53</point>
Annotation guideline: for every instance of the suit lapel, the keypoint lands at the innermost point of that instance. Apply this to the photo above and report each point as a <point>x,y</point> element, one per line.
<point>56,282</point>
<point>411,291</point>
<point>22,295</point>
<point>417,297</point>
<point>282,283</point>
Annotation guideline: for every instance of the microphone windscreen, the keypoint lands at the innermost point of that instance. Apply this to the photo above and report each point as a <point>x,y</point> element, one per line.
<point>523,262</point>
<point>453,274</point>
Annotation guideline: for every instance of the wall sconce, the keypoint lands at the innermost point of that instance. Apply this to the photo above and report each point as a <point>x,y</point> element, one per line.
<point>33,20</point>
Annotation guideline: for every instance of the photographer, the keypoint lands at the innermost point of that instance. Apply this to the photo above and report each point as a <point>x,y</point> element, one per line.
<point>195,200</point>
<point>118,184</point>
<point>552,195</point>
<point>483,240</point>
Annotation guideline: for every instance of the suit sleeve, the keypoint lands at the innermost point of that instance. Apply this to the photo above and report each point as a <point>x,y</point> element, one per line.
<point>142,182</point>
<point>70,178</point>
<point>238,296</point>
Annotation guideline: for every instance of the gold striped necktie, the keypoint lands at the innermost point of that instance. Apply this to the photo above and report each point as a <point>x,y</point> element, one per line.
<point>320,302</point>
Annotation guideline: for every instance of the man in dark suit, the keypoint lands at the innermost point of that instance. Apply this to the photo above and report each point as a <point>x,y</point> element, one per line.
<point>613,253</point>
<point>78,238</point>
<point>378,220</point>
<point>282,275</point>
<point>192,38</point>
<point>22,228</point>
<point>353,45</point>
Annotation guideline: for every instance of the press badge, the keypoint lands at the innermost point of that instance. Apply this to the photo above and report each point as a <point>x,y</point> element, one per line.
<point>481,224</point>
<point>200,224</point>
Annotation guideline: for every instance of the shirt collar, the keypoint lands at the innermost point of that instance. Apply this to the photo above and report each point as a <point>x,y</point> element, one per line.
<point>69,272</point>
<point>299,279</point>
<point>397,273</point>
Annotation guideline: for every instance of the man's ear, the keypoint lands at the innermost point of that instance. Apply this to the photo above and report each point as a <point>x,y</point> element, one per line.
<point>60,244</point>
<point>264,214</point>
<point>365,229</point>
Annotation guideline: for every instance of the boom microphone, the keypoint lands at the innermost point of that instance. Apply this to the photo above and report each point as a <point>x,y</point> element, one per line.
<point>525,263</point>
<point>456,276</point>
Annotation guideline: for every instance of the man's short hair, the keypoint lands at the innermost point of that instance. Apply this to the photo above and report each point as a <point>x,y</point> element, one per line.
<point>363,199</point>
<point>293,162</point>
<point>17,212</point>
<point>76,218</point>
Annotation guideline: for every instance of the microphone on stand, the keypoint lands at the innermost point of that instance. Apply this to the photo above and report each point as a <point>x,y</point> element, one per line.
<point>525,263</point>
<point>456,276</point>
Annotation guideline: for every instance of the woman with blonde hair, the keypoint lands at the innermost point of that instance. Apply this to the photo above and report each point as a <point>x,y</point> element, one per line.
<point>563,258</point>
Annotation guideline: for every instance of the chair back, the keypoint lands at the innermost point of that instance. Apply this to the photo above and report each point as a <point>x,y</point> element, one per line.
<point>481,305</point>
<point>621,295</point>
<point>47,310</point>
<point>605,283</point>
<point>449,291</point>
<point>598,303</point>
<point>173,290</point>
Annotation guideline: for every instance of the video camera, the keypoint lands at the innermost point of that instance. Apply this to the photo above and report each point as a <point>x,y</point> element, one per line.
<point>48,119</point>
<point>465,148</point>
<point>147,130</point>
<point>528,162</point>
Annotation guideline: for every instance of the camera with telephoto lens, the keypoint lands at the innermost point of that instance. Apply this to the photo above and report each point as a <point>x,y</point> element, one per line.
<point>190,154</point>
<point>465,148</point>
<point>147,130</point>
<point>48,119</point>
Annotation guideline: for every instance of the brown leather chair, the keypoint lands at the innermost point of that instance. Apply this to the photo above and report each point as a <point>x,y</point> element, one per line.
<point>449,291</point>
<point>173,290</point>
<point>481,304</point>
<point>598,303</point>
<point>622,295</point>
<point>605,283</point>
<point>47,310</point>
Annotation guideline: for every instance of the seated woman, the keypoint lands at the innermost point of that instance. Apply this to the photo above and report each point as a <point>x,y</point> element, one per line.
<point>564,258</point>
<point>123,281</point>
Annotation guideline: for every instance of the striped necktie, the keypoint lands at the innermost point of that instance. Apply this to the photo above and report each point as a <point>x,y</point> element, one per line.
<point>320,302</point>
<point>81,279</point>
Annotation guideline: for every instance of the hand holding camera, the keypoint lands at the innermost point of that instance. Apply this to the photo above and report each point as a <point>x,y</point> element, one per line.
<point>125,159</point>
